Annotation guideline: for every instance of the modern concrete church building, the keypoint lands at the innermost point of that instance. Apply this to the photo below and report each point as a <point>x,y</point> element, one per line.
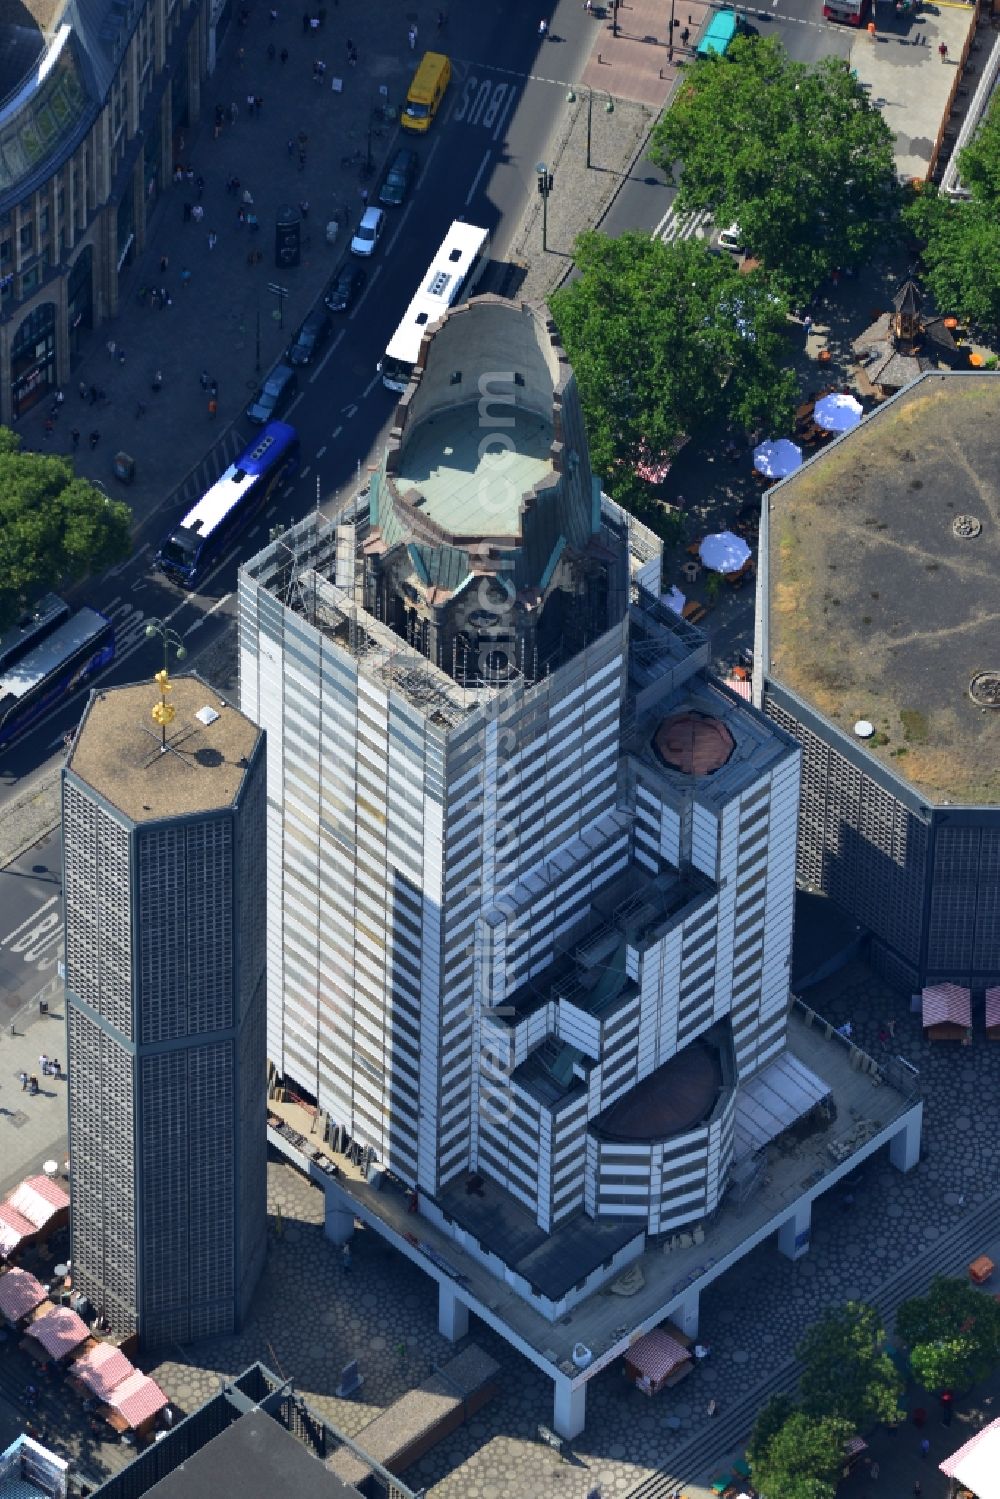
<point>530,867</point>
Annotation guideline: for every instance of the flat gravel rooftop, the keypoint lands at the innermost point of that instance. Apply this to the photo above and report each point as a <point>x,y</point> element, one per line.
<point>878,607</point>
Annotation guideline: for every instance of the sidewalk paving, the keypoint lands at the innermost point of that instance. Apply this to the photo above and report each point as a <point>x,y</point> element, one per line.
<point>32,1129</point>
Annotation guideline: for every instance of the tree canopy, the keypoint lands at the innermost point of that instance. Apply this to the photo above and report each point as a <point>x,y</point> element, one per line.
<point>797,155</point>
<point>666,340</point>
<point>953,1334</point>
<point>54,526</point>
<point>803,1458</point>
<point>961,253</point>
<point>847,1372</point>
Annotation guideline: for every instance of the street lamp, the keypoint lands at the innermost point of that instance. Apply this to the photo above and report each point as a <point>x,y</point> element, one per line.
<point>545,180</point>
<point>609,109</point>
<point>163,713</point>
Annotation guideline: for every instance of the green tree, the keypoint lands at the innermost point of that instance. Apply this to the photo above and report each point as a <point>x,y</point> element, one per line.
<point>953,1334</point>
<point>961,254</point>
<point>770,1419</point>
<point>804,1458</point>
<point>847,1372</point>
<point>797,155</point>
<point>664,340</point>
<point>54,527</point>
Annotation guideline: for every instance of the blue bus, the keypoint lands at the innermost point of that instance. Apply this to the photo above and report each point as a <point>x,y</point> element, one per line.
<point>221,514</point>
<point>77,648</point>
<point>721,30</point>
<point>31,629</point>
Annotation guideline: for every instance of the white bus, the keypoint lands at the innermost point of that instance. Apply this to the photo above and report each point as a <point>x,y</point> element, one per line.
<point>454,269</point>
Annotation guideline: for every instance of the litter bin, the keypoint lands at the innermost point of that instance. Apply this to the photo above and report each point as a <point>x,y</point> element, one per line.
<point>124,467</point>
<point>288,237</point>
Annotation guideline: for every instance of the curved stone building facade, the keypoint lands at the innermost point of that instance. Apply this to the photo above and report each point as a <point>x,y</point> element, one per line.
<point>93,95</point>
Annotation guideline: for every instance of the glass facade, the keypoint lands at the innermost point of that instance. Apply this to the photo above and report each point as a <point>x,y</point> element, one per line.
<point>33,358</point>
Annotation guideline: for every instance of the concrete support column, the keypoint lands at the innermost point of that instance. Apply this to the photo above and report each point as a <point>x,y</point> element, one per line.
<point>793,1235</point>
<point>453,1315</point>
<point>904,1147</point>
<point>339,1220</point>
<point>569,1412</point>
<point>686,1315</point>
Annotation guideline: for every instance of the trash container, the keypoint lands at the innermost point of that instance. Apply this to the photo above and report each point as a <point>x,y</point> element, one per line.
<point>288,237</point>
<point>124,467</point>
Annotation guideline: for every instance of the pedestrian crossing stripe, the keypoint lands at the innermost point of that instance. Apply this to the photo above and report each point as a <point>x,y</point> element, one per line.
<point>693,225</point>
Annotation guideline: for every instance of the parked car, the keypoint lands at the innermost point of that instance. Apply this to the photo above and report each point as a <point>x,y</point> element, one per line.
<point>368,232</point>
<point>345,288</point>
<point>310,338</point>
<point>398,178</point>
<point>274,395</point>
<point>730,239</point>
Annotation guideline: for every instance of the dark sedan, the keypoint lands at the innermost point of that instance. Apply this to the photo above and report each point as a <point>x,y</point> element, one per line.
<point>398,178</point>
<point>345,288</point>
<point>274,395</point>
<point>310,338</point>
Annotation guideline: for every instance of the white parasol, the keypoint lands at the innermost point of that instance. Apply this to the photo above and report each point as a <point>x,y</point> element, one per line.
<point>775,460</point>
<point>724,552</point>
<point>837,412</point>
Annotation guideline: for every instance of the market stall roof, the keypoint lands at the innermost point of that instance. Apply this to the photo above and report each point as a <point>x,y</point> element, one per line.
<point>102,1369</point>
<point>59,1331</point>
<point>977,1465</point>
<point>946,1004</point>
<point>656,1355</point>
<point>39,1199</point>
<point>20,1293</point>
<point>992,1008</point>
<point>138,1398</point>
<point>781,1092</point>
<point>14,1228</point>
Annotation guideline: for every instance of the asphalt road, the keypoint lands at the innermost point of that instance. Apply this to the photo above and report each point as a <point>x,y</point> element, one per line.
<point>30,925</point>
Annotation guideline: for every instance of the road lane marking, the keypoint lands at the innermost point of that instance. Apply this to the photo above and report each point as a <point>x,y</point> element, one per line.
<point>375,379</point>
<point>320,451</point>
<point>360,302</point>
<point>475,181</point>
<point>320,367</point>
<point>208,614</point>
<point>292,407</point>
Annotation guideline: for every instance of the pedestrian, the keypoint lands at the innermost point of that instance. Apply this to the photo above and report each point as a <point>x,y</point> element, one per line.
<point>203,379</point>
<point>121,356</point>
<point>164,262</point>
<point>213,388</point>
<point>304,207</point>
<point>305,20</point>
<point>943,51</point>
<point>302,161</point>
<point>95,438</point>
<point>917,1488</point>
<point>874,1470</point>
<point>59,398</point>
<point>43,1063</point>
<point>272,15</point>
<point>247,197</point>
<point>74,433</point>
<point>241,53</point>
<point>111,348</point>
<point>234,112</point>
<point>241,215</point>
<point>197,213</point>
<point>713,1408</point>
<point>32,1087</point>
<point>213,240</point>
<point>363,191</point>
<point>291,146</point>
<point>252,223</point>
<point>250,103</point>
<point>925,1447</point>
<point>685,36</point>
<point>411,37</point>
<point>157,382</point>
<point>442,19</point>
<point>201,187</point>
<point>23,1077</point>
<point>345,1256</point>
<point>185,278</point>
<point>807,322</point>
<point>871,31</point>
<point>260,103</point>
<point>283,54</point>
<point>82,388</point>
<point>543,27</point>
<point>213,409</point>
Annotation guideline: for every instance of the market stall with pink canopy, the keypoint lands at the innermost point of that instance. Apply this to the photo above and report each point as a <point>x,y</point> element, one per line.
<point>946,1012</point>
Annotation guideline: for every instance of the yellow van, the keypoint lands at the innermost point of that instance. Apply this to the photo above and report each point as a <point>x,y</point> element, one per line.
<point>426,91</point>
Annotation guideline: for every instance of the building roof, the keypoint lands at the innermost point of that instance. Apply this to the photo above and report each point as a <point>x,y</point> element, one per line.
<point>59,1331</point>
<point>117,750</point>
<point>102,1369</point>
<point>877,607</point>
<point>255,1458</point>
